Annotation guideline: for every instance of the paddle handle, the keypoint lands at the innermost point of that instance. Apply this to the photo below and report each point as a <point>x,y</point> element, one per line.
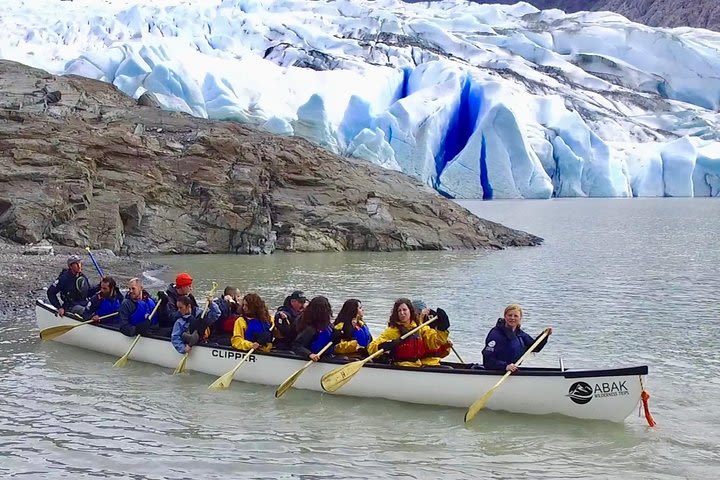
<point>97,267</point>
<point>213,289</point>
<point>250,352</point>
<point>432,319</point>
<point>537,342</point>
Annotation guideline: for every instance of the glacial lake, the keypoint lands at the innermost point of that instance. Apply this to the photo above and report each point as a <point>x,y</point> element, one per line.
<point>622,282</point>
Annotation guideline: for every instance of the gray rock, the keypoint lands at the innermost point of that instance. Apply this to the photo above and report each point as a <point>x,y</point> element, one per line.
<point>148,99</point>
<point>75,172</point>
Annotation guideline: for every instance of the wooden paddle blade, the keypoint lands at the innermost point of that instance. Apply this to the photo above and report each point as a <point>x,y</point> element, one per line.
<point>54,332</point>
<point>479,404</point>
<point>223,381</point>
<point>122,361</point>
<point>181,366</point>
<point>227,378</point>
<point>287,384</point>
<point>338,377</point>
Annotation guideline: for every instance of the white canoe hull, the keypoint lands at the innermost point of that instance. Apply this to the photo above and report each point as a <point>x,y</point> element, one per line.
<point>590,394</point>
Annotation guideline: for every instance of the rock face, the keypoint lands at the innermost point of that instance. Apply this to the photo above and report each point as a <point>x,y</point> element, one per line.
<point>655,13</point>
<point>83,164</point>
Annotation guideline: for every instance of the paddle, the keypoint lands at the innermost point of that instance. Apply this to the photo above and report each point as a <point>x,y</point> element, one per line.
<point>457,354</point>
<point>225,380</point>
<point>122,361</point>
<point>478,404</point>
<point>338,377</point>
<point>287,384</point>
<point>183,361</point>
<point>53,332</point>
<point>97,267</point>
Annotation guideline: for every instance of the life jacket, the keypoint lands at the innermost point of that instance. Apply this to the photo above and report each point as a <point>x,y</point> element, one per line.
<point>411,349</point>
<point>227,324</point>
<point>74,289</point>
<point>108,306</point>
<point>362,335</point>
<point>322,338</point>
<point>143,308</point>
<point>254,327</point>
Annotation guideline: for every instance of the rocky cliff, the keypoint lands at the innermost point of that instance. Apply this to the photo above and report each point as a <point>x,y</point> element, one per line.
<point>82,164</point>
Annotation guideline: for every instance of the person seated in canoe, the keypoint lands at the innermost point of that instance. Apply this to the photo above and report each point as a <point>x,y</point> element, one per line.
<point>167,313</point>
<point>189,327</point>
<point>105,301</point>
<point>286,320</point>
<point>507,342</point>
<point>72,285</point>
<point>254,328</point>
<point>229,305</point>
<point>355,334</point>
<point>135,310</point>
<point>424,313</point>
<point>411,351</point>
<point>315,330</point>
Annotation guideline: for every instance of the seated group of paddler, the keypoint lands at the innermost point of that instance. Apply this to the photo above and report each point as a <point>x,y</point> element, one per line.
<point>303,327</point>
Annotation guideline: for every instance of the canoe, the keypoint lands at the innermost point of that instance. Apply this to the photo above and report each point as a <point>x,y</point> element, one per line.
<point>609,394</point>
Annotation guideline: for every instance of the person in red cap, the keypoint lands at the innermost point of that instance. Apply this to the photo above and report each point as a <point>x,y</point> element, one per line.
<point>168,311</point>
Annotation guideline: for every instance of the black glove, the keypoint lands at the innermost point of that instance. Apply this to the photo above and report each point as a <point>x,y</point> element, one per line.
<point>390,346</point>
<point>263,338</point>
<point>443,322</point>
<point>336,336</point>
<point>162,296</point>
<point>362,351</point>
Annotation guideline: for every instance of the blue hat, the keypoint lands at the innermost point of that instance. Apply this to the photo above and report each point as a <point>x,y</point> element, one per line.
<point>419,305</point>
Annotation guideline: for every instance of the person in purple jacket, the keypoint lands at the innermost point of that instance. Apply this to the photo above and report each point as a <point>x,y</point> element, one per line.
<point>507,342</point>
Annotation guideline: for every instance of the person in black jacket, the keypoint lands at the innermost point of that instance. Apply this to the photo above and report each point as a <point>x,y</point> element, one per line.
<point>286,319</point>
<point>72,285</point>
<point>104,300</point>
<point>507,342</point>
<point>167,313</point>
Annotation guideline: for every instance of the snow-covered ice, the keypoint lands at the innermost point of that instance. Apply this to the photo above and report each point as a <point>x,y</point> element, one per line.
<point>477,101</point>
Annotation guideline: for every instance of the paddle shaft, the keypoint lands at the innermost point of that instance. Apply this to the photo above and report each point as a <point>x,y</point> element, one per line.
<point>183,361</point>
<point>97,267</point>
<point>338,377</point>
<point>290,381</point>
<point>123,360</point>
<point>480,403</point>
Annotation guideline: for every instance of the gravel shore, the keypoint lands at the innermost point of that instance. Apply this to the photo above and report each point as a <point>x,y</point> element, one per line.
<point>24,278</point>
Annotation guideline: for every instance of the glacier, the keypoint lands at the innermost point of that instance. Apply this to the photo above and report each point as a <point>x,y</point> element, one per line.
<point>475,101</point>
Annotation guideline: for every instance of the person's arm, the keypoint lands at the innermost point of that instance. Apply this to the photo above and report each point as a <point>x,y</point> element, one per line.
<point>92,307</point>
<point>238,338</point>
<point>434,339</point>
<point>283,324</point>
<point>52,293</point>
<point>301,345</point>
<point>213,314</point>
<point>127,307</point>
<point>176,336</point>
<point>490,354</point>
<point>528,341</point>
<point>388,335</point>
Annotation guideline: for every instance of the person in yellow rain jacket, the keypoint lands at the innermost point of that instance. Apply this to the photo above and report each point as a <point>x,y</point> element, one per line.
<point>411,351</point>
<point>252,329</point>
<point>355,334</point>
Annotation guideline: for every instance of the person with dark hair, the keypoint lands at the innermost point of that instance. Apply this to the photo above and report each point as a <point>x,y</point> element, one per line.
<point>107,300</point>
<point>355,334</point>
<point>135,310</point>
<point>190,325</point>
<point>167,313</point>
<point>410,351</point>
<point>253,329</point>
<point>286,319</point>
<point>72,285</point>
<point>315,330</point>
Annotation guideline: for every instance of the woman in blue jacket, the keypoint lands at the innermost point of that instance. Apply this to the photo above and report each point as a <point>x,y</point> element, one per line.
<point>507,342</point>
